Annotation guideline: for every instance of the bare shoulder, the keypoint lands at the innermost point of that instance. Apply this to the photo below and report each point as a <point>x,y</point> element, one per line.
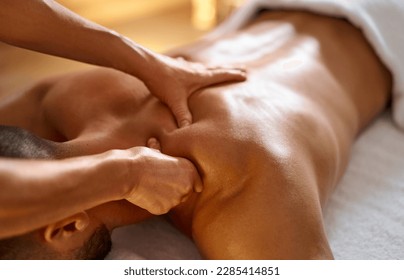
<point>78,99</point>
<point>24,108</point>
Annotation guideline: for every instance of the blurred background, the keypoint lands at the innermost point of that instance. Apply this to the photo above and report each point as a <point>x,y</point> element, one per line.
<point>156,24</point>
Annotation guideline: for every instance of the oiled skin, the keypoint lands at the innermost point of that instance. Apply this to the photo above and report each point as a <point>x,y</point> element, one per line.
<point>269,150</point>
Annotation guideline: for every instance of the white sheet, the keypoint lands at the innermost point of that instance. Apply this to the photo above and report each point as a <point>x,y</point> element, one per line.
<point>364,218</point>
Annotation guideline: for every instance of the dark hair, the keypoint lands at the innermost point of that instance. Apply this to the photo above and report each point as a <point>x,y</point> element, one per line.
<point>28,247</point>
<point>16,142</point>
<point>96,247</point>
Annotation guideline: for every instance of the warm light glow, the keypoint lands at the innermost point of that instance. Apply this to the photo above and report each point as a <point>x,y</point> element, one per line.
<point>207,13</point>
<point>108,12</point>
<point>237,3</point>
<point>204,14</point>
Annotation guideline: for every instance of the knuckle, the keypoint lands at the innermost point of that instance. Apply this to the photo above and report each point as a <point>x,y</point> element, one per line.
<point>185,189</point>
<point>160,209</point>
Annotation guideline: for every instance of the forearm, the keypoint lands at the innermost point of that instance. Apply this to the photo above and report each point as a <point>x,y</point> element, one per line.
<point>48,27</point>
<point>35,193</point>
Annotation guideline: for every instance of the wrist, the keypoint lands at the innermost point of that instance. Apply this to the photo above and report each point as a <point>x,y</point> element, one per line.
<point>120,169</point>
<point>134,59</point>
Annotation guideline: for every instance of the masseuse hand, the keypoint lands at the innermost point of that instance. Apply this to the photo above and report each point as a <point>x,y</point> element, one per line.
<point>161,182</point>
<point>174,80</point>
<point>48,27</point>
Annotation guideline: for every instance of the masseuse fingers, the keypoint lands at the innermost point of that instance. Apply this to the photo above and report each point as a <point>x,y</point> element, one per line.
<point>181,112</point>
<point>241,69</point>
<point>220,75</point>
<point>198,185</point>
<point>153,143</point>
<point>161,181</point>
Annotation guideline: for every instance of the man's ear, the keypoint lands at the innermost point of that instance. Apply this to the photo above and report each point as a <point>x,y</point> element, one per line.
<point>66,228</point>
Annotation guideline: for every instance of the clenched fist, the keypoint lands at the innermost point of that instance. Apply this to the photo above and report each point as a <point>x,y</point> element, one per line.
<point>161,182</point>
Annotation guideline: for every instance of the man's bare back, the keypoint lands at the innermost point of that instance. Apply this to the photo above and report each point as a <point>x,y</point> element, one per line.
<point>269,150</point>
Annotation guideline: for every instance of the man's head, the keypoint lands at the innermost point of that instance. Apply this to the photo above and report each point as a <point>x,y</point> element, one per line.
<point>33,245</point>
<point>81,236</point>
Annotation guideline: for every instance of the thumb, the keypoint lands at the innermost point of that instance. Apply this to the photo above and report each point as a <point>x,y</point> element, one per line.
<point>153,143</point>
<point>181,113</point>
<point>198,185</point>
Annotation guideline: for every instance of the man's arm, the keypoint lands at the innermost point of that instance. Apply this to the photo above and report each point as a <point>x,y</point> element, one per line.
<point>48,27</point>
<point>34,193</point>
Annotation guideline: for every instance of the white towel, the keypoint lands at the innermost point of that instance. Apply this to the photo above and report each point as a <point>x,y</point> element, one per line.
<point>382,22</point>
